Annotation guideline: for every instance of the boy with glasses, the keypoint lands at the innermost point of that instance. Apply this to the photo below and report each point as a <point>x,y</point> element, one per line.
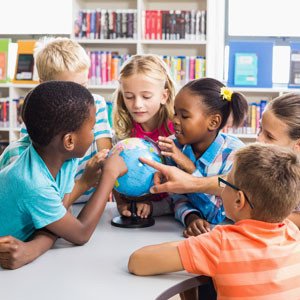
<point>258,256</point>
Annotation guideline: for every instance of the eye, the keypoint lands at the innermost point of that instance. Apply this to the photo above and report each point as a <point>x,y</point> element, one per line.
<point>147,97</point>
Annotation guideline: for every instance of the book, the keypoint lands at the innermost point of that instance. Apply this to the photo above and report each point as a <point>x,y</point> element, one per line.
<point>4,51</point>
<point>294,80</point>
<point>245,69</point>
<point>25,68</point>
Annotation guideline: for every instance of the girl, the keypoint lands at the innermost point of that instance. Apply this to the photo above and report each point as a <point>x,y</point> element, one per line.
<point>143,107</point>
<point>280,125</point>
<point>202,108</point>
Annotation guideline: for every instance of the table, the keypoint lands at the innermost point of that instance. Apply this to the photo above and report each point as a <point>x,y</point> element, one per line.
<point>97,270</point>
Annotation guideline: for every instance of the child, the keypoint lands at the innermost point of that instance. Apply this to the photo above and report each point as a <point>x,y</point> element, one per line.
<point>280,125</point>
<point>64,59</point>
<point>59,117</point>
<point>143,107</point>
<point>258,256</point>
<point>202,108</point>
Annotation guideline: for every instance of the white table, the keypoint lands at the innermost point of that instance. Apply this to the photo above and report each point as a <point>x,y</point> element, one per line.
<point>97,270</point>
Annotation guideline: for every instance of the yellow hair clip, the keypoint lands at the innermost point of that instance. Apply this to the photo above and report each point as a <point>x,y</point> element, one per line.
<point>226,93</point>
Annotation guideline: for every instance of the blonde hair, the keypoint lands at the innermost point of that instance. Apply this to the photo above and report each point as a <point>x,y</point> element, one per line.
<point>56,55</point>
<point>154,67</point>
<point>270,177</point>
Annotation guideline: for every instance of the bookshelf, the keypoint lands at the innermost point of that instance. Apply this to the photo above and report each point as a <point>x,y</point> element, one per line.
<point>255,96</point>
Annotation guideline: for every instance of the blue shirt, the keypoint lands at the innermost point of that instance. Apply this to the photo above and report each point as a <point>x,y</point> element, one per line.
<point>216,160</point>
<point>30,198</point>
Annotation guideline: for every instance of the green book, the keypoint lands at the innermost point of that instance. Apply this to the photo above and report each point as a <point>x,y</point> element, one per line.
<point>245,69</point>
<point>4,44</point>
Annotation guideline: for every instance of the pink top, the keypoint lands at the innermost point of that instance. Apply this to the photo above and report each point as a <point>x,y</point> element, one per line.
<point>138,131</point>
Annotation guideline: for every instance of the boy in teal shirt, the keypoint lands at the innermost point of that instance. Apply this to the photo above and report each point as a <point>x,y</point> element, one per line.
<point>59,117</point>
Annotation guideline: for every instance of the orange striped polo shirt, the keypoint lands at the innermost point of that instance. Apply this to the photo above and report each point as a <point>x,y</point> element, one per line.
<point>250,260</point>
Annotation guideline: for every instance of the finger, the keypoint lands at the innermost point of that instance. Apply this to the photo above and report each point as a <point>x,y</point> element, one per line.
<point>195,229</point>
<point>6,247</point>
<point>6,239</point>
<point>164,139</point>
<point>158,166</point>
<point>189,231</point>
<point>139,208</point>
<point>185,234</point>
<point>157,178</point>
<point>145,211</point>
<point>161,188</point>
<point>207,226</point>
<point>202,228</point>
<point>168,154</point>
<point>126,213</point>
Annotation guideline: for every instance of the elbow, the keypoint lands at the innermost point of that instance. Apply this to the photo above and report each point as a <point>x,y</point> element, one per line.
<point>81,240</point>
<point>134,264</point>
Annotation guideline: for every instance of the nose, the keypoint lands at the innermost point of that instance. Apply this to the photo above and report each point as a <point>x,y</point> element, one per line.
<point>176,120</point>
<point>138,103</point>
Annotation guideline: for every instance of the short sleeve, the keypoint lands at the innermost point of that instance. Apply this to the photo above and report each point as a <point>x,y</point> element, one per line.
<point>102,128</point>
<point>45,207</point>
<point>201,254</point>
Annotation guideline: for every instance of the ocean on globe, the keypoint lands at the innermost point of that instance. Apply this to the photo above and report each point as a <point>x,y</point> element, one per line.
<point>139,178</point>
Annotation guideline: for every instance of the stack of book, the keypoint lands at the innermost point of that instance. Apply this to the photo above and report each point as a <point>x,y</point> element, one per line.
<point>174,24</point>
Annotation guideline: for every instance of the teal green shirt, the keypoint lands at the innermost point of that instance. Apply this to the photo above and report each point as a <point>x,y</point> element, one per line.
<point>30,198</point>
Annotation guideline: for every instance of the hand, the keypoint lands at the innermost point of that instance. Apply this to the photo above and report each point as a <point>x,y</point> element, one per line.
<point>168,148</point>
<point>115,165</point>
<point>144,209</point>
<point>195,226</point>
<point>170,179</point>
<point>13,253</point>
<point>92,171</point>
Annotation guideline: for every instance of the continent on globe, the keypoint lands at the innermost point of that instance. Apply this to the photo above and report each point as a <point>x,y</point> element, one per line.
<point>139,178</point>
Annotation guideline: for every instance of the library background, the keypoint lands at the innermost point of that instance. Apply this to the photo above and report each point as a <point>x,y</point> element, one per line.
<point>259,57</point>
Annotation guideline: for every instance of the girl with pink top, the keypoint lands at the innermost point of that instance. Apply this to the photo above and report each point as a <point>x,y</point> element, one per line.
<point>143,107</point>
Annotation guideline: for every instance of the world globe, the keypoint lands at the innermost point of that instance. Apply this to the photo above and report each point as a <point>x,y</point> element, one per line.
<point>139,178</point>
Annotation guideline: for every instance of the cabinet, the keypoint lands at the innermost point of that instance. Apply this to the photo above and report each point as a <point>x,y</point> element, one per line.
<point>210,47</point>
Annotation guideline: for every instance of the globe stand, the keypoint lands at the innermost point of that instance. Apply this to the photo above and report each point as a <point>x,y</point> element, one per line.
<point>134,221</point>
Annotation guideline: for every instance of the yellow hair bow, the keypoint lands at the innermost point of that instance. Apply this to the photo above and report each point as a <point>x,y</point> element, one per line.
<point>226,93</point>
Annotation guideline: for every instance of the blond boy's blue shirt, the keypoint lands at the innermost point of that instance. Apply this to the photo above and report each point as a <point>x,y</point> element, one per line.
<point>31,198</point>
<point>216,160</point>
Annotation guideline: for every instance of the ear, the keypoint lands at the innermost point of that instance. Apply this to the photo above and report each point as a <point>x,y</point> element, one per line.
<point>68,141</point>
<point>240,201</point>
<point>214,122</point>
<point>165,96</point>
<point>297,146</point>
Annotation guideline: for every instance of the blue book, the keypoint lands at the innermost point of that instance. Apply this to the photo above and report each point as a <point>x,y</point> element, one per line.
<point>245,69</point>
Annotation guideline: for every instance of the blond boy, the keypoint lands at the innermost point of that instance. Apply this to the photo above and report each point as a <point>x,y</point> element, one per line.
<point>259,256</point>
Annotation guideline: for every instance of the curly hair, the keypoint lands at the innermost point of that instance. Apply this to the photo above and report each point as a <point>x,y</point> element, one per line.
<point>154,67</point>
<point>55,107</point>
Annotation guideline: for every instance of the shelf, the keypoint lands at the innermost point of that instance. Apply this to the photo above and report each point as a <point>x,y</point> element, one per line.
<point>244,135</point>
<point>173,42</point>
<point>16,85</point>
<point>103,87</point>
<point>108,41</point>
<point>4,128</point>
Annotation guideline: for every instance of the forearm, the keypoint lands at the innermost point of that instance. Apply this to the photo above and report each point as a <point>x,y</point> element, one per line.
<point>104,143</point>
<point>156,259</point>
<point>92,211</point>
<point>80,187</point>
<point>206,185</point>
<point>184,163</point>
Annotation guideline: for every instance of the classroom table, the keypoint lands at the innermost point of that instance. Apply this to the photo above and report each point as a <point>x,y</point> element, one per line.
<point>98,269</point>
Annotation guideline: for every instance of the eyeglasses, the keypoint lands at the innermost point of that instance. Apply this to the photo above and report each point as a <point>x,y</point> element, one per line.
<point>222,183</point>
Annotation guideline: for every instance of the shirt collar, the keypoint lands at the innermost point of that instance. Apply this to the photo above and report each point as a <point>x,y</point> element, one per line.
<point>211,153</point>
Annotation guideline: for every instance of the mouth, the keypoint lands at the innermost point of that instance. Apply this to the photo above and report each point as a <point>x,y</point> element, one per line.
<point>178,132</point>
<point>139,113</point>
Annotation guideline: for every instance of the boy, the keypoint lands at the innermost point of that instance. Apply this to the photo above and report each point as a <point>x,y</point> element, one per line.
<point>65,60</point>
<point>258,256</point>
<point>59,117</point>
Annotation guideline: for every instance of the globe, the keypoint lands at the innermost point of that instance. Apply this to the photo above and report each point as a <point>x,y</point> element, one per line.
<point>139,178</point>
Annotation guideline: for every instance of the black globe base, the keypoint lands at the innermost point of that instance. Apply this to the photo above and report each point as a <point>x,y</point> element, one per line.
<point>132,222</point>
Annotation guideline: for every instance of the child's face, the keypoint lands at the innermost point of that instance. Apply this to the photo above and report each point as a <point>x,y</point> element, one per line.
<point>84,136</point>
<point>190,120</point>
<point>274,131</point>
<point>143,97</point>
<point>77,77</point>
